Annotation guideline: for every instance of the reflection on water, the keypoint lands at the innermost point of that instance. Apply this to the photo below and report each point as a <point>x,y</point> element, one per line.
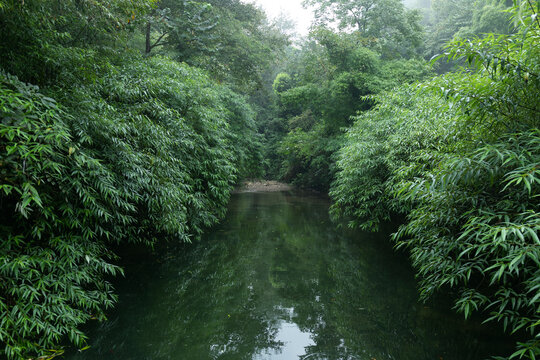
<point>277,281</point>
<point>293,343</point>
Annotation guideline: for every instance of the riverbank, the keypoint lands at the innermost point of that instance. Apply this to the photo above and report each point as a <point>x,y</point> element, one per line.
<point>262,186</point>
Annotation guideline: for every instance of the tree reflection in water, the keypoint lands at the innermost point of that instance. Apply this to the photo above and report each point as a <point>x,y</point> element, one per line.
<point>277,280</point>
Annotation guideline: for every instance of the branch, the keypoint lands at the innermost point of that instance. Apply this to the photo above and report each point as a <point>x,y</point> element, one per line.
<point>156,43</point>
<point>534,11</point>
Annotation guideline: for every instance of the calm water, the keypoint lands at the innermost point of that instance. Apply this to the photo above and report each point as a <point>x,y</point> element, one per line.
<point>277,281</point>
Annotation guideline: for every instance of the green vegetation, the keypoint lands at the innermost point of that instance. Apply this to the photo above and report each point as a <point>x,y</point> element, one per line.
<point>456,155</point>
<point>131,121</point>
<point>112,147</point>
<point>459,156</point>
<point>325,85</point>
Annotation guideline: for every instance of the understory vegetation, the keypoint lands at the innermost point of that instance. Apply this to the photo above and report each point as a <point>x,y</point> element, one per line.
<point>131,122</point>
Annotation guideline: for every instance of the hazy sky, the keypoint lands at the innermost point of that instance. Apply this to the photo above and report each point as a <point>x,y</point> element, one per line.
<point>293,8</point>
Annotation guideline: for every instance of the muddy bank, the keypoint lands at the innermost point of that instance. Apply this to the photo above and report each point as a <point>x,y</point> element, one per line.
<point>262,186</point>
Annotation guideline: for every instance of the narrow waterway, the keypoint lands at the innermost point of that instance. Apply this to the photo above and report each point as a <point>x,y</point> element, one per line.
<point>277,280</point>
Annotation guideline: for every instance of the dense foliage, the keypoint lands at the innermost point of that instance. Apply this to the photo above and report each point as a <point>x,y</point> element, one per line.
<point>446,20</point>
<point>325,83</point>
<point>131,121</point>
<point>387,24</point>
<point>459,155</point>
<point>113,147</point>
<point>231,39</point>
<point>55,201</point>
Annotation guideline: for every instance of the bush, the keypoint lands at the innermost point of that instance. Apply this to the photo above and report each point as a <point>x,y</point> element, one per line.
<point>460,156</point>
<point>58,205</point>
<point>150,151</point>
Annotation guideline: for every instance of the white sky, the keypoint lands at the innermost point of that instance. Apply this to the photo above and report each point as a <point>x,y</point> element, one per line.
<point>293,8</point>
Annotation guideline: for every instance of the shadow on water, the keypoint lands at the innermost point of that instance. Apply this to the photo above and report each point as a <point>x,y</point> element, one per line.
<point>277,281</point>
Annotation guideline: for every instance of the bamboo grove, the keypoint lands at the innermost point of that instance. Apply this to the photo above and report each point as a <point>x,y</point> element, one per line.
<point>112,147</point>
<point>459,157</point>
<point>130,122</point>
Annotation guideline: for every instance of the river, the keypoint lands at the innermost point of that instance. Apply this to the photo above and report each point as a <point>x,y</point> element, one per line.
<point>277,281</point>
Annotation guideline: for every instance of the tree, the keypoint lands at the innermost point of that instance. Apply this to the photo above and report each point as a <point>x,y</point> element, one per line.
<point>465,19</point>
<point>52,26</point>
<point>385,21</point>
<point>113,147</point>
<point>186,25</point>
<point>330,79</point>
<point>459,157</point>
<point>230,39</point>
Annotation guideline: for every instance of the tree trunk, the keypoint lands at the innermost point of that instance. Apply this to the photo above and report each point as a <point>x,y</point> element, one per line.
<point>148,45</point>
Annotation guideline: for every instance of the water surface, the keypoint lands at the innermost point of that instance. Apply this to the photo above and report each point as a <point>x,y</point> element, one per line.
<point>277,281</point>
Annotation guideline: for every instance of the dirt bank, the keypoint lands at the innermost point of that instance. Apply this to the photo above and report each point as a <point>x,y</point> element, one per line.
<point>262,186</point>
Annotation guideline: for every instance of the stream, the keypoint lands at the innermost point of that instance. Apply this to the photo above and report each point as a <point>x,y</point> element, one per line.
<point>276,280</point>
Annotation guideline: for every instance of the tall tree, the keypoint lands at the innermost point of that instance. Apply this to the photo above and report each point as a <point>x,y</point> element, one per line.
<point>385,21</point>
<point>230,39</point>
<point>448,19</point>
<point>186,25</point>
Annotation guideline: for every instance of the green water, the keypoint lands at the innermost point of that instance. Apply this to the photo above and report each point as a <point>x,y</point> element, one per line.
<point>277,281</point>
